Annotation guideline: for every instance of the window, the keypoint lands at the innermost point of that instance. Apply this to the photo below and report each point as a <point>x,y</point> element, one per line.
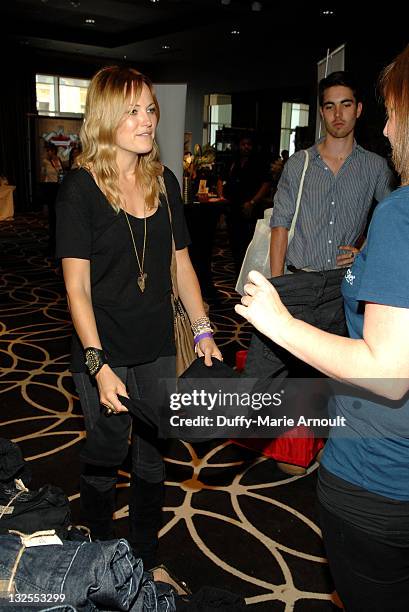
<point>293,115</point>
<point>216,116</point>
<point>45,93</point>
<point>59,96</point>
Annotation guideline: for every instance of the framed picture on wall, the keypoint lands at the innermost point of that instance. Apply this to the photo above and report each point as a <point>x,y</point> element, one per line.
<point>63,132</point>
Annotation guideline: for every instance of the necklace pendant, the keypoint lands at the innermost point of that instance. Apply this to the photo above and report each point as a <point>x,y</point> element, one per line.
<point>141,281</point>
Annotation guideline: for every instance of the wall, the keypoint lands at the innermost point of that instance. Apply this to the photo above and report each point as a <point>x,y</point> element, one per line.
<point>258,83</point>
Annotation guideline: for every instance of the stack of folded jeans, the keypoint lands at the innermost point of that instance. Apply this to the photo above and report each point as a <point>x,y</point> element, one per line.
<point>89,576</point>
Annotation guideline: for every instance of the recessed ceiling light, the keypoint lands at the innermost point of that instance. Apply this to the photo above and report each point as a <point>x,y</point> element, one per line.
<point>154,1</point>
<point>327,12</point>
<point>165,47</point>
<point>235,32</point>
<point>90,21</point>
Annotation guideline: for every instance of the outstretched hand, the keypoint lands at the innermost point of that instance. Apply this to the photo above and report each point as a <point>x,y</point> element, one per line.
<point>262,307</point>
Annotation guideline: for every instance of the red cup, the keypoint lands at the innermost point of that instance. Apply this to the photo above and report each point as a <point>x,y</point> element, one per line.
<point>241,357</point>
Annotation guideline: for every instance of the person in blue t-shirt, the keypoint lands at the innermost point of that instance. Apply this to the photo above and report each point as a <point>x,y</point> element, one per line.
<point>363,484</point>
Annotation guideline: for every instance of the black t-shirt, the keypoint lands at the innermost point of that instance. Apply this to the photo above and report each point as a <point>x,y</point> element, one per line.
<point>133,327</point>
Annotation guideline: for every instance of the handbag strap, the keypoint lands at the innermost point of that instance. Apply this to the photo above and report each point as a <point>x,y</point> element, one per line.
<point>297,206</point>
<point>173,265</point>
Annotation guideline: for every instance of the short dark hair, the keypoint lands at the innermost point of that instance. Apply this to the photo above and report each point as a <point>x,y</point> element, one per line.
<point>341,78</point>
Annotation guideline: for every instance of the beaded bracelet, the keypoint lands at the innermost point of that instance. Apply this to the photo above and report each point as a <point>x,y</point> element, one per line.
<point>203,330</point>
<point>199,337</point>
<point>202,324</point>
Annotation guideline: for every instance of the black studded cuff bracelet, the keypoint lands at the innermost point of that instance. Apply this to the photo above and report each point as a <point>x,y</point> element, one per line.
<point>94,359</point>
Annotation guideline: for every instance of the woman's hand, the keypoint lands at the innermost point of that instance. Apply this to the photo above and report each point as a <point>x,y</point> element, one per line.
<point>262,307</point>
<point>208,348</point>
<point>109,387</point>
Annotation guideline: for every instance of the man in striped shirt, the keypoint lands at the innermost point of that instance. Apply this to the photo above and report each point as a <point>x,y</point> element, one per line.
<point>341,182</point>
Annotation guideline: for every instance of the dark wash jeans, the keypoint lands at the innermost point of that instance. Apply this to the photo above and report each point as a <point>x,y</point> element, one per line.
<point>91,575</point>
<point>142,383</point>
<point>369,576</point>
<point>313,297</point>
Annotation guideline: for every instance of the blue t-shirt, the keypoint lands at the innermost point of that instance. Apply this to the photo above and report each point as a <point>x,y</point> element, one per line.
<point>372,451</point>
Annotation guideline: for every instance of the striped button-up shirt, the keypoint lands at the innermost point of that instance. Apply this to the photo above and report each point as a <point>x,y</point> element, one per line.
<point>333,209</point>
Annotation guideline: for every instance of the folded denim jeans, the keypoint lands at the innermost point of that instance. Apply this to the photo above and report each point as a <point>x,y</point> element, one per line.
<point>92,575</point>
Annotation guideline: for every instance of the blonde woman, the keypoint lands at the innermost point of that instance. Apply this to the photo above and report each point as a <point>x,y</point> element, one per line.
<point>115,241</point>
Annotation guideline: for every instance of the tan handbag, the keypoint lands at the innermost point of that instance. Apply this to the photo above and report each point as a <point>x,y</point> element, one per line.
<point>185,354</point>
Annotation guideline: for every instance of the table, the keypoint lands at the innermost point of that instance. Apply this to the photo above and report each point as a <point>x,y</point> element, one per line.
<point>6,202</point>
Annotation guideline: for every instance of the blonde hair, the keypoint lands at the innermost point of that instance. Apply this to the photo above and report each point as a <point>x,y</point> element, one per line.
<point>394,86</point>
<point>107,101</point>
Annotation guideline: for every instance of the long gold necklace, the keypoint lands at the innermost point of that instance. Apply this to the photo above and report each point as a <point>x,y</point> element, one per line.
<point>141,280</point>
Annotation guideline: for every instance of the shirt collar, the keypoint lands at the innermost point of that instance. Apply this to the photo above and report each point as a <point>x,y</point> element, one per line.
<point>314,153</point>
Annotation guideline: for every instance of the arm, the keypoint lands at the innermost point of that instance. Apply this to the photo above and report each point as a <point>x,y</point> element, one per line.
<point>283,213</point>
<point>386,182</point>
<point>278,250</point>
<point>43,171</point>
<point>367,363</point>
<point>261,193</point>
<point>189,292</point>
<point>384,185</point>
<point>78,285</point>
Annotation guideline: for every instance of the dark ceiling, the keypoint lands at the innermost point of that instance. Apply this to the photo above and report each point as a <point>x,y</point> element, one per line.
<point>216,39</point>
<point>165,30</point>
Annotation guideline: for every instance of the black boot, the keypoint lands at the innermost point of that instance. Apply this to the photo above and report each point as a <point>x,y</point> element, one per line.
<point>97,505</point>
<point>145,518</point>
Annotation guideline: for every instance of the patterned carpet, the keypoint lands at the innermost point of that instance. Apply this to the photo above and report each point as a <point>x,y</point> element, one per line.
<point>232,519</point>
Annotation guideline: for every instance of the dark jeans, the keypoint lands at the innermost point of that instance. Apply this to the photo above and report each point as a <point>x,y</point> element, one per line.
<point>142,383</point>
<point>313,297</point>
<point>91,575</point>
<point>369,576</point>
<point>98,480</point>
